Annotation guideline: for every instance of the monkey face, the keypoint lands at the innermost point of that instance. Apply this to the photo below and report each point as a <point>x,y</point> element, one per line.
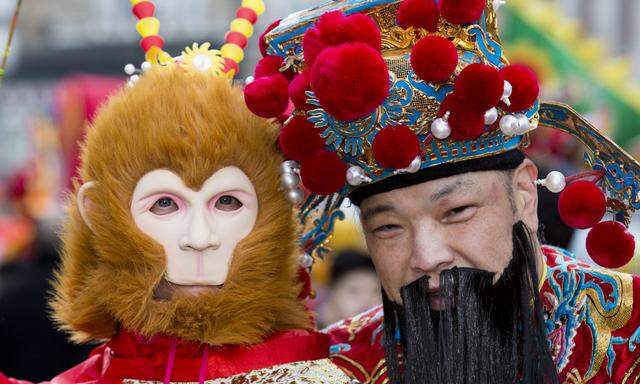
<point>199,230</point>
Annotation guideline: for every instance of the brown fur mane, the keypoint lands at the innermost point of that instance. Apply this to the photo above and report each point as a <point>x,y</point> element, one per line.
<point>192,125</point>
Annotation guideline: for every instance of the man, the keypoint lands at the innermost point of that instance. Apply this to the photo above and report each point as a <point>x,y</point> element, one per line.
<point>411,110</point>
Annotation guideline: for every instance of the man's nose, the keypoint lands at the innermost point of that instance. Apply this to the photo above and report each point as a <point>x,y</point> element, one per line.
<point>201,234</point>
<point>431,253</point>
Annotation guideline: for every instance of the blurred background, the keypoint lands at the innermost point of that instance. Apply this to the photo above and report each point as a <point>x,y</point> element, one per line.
<point>68,56</point>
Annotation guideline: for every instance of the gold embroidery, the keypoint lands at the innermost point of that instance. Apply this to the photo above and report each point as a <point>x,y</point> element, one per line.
<point>631,371</point>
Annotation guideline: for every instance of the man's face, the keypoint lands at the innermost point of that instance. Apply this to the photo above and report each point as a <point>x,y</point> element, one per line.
<point>451,222</point>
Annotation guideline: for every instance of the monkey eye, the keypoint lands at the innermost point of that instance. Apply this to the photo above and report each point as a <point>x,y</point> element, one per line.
<point>164,206</point>
<point>228,203</point>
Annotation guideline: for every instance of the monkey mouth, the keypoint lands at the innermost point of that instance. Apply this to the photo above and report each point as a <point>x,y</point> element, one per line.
<point>166,289</point>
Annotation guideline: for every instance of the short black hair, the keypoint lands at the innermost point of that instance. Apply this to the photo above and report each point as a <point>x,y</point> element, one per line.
<point>347,261</point>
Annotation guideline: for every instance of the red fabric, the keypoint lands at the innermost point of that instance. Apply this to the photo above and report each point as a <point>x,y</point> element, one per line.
<point>434,59</point>
<point>129,356</point>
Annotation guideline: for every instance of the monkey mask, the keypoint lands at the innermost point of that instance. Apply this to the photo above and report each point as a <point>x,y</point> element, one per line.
<point>179,227</point>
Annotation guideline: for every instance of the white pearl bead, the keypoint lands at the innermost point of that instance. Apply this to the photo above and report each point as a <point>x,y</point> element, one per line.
<point>491,116</point>
<point>129,69</point>
<point>249,80</point>
<point>306,261</point>
<point>508,90</point>
<point>415,165</point>
<point>295,196</point>
<point>134,78</point>
<point>555,182</point>
<point>289,180</point>
<point>523,124</point>
<point>202,63</point>
<point>356,176</point>
<point>289,166</point>
<point>440,128</point>
<point>509,125</point>
<point>145,66</point>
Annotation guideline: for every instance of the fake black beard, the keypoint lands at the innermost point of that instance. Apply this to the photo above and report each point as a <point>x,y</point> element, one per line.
<point>487,333</point>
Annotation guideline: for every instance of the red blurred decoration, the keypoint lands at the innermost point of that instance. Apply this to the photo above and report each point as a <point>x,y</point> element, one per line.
<point>299,139</point>
<point>247,14</point>
<point>323,173</point>
<point>261,42</point>
<point>610,244</point>
<point>434,59</point>
<point>143,9</point>
<point>151,41</point>
<point>305,279</point>
<point>395,147</point>
<point>582,204</point>
<point>480,86</point>
<point>236,38</point>
<point>229,64</point>
<point>462,11</point>
<point>350,80</point>
<point>466,124</point>
<point>267,96</point>
<point>525,87</point>
<point>418,14</point>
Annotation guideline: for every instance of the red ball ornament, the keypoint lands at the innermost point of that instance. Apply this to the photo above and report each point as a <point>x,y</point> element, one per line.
<point>525,86</point>
<point>350,80</point>
<point>261,42</point>
<point>582,204</point>
<point>229,65</point>
<point>418,14</point>
<point>323,173</point>
<point>462,11</point>
<point>480,86</point>
<point>269,66</point>
<point>248,14</point>
<point>267,96</point>
<point>143,9</point>
<point>395,147</point>
<point>299,139</point>
<point>334,28</point>
<point>465,123</point>
<point>610,244</point>
<point>297,91</point>
<point>434,59</point>
<point>151,41</point>
<point>236,38</point>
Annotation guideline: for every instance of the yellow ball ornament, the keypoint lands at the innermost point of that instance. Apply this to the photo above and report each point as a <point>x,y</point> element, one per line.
<point>149,26</point>
<point>232,52</point>
<point>256,5</point>
<point>243,26</point>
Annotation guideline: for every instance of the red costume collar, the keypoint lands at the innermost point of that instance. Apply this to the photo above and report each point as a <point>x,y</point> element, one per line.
<point>133,357</point>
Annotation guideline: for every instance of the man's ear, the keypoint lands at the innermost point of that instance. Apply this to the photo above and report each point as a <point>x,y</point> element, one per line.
<point>526,193</point>
<point>84,203</point>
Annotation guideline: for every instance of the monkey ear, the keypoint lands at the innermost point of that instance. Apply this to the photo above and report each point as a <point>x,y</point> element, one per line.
<point>84,203</point>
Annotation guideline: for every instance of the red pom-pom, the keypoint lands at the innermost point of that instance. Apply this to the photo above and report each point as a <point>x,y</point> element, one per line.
<point>299,139</point>
<point>525,87</point>
<point>582,204</point>
<point>350,80</point>
<point>267,96</point>
<point>462,11</point>
<point>610,244</point>
<point>418,14</point>
<point>236,38</point>
<point>465,123</point>
<point>261,42</point>
<point>269,66</point>
<point>151,41</point>
<point>248,14</point>
<point>434,58</point>
<point>395,147</point>
<point>480,86</point>
<point>323,173</point>
<point>334,28</point>
<point>143,9</point>
<point>297,91</point>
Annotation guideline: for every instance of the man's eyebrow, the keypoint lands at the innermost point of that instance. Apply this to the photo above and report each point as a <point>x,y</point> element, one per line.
<point>450,188</point>
<point>375,210</point>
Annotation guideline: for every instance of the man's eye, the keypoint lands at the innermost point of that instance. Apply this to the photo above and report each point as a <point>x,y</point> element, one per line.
<point>388,230</point>
<point>164,206</point>
<point>460,213</point>
<point>228,203</point>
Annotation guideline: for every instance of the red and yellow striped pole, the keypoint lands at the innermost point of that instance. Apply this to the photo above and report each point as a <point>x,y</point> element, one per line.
<point>241,29</point>
<point>148,26</point>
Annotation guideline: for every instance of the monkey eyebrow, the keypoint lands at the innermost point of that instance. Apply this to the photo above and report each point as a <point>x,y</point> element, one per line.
<point>449,189</point>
